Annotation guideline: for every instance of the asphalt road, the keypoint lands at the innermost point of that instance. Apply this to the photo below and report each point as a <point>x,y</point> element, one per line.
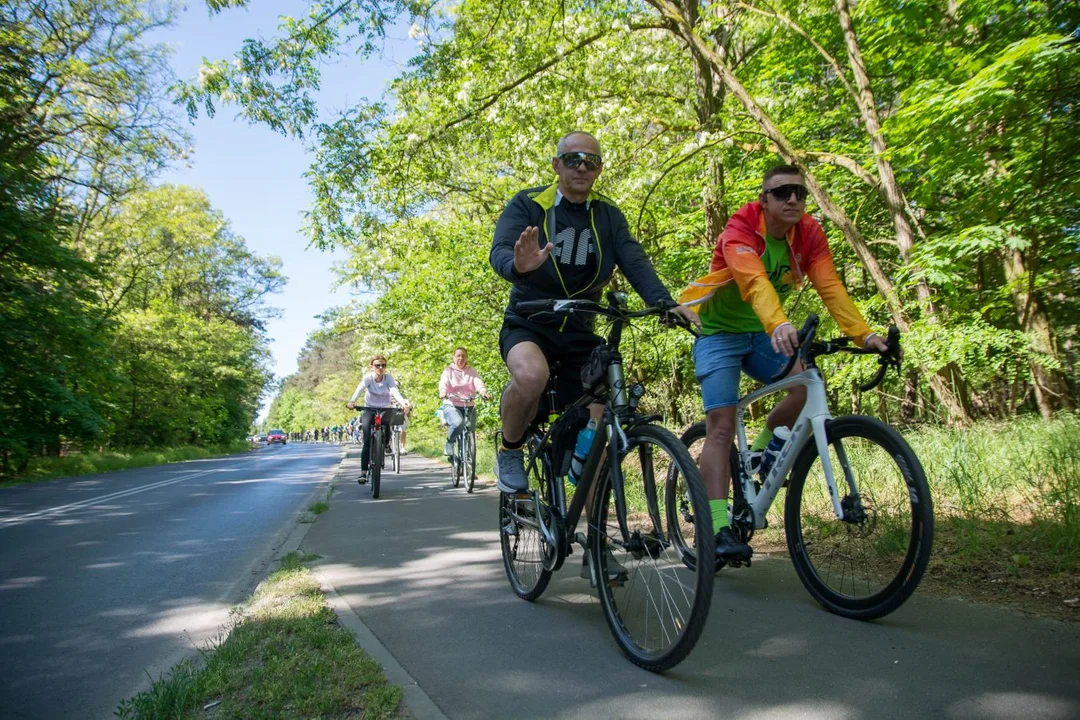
<point>421,567</point>
<point>107,579</point>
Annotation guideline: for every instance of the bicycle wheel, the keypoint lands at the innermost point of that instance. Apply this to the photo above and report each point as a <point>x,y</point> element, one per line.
<point>396,441</point>
<point>655,605</point>
<point>527,557</point>
<point>376,463</point>
<point>677,500</point>
<point>469,456</point>
<point>455,464</point>
<point>866,565</point>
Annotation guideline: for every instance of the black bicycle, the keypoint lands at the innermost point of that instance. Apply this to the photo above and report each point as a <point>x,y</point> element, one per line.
<point>463,462</point>
<point>858,515</point>
<point>655,605</point>
<point>381,422</point>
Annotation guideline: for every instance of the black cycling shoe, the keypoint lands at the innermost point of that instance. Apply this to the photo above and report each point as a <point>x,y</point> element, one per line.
<point>730,548</point>
<point>362,480</point>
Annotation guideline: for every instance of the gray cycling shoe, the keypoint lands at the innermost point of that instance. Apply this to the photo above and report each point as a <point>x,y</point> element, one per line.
<point>510,471</point>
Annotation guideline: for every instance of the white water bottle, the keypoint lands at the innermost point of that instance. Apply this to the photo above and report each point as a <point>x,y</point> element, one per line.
<point>780,436</point>
<point>581,451</point>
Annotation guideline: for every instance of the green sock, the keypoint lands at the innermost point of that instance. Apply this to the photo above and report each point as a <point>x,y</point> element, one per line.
<point>762,440</point>
<point>719,514</point>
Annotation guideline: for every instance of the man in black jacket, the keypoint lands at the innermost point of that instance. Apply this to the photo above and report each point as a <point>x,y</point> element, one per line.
<point>561,241</point>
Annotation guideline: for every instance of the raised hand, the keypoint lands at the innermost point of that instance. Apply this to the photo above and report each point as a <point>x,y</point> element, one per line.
<point>527,256</point>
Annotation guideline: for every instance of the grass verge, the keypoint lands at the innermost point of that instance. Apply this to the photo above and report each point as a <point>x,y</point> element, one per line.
<point>285,657</point>
<point>92,463</point>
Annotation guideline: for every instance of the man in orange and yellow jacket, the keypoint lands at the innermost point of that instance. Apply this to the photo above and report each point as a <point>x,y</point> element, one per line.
<point>767,248</point>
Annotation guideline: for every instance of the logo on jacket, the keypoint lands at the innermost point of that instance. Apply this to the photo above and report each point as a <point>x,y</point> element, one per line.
<point>572,248</point>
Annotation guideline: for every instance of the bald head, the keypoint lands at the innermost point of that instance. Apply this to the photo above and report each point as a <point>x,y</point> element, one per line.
<point>566,139</point>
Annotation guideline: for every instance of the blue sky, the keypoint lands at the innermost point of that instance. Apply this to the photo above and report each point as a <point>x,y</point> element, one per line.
<point>255,176</point>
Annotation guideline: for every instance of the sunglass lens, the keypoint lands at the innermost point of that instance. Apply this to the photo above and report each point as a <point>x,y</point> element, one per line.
<point>784,192</point>
<point>572,160</point>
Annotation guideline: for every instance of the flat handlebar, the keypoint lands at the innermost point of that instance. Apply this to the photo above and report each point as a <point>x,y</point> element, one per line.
<point>616,308</point>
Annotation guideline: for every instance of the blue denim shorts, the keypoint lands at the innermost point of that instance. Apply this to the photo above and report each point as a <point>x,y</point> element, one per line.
<point>719,358</point>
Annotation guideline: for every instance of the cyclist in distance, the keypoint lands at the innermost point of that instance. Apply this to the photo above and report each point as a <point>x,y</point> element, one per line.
<point>459,381</point>
<point>766,249</point>
<point>380,389</point>
<point>559,241</point>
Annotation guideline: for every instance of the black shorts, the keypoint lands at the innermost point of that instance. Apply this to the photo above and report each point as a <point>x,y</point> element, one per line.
<point>570,349</point>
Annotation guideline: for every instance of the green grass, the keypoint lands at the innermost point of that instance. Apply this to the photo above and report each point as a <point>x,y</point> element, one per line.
<point>1022,476</point>
<point>319,508</point>
<point>92,463</point>
<point>285,658</point>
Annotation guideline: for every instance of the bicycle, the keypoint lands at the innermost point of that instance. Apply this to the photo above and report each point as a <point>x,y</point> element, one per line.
<point>396,428</point>
<point>379,441</point>
<point>893,495</point>
<point>463,463</point>
<point>629,459</point>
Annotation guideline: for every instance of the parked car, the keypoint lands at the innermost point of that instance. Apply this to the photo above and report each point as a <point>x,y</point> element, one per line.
<point>275,436</point>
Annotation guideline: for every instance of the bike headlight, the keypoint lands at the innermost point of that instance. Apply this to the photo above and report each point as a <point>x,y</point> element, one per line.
<point>637,390</point>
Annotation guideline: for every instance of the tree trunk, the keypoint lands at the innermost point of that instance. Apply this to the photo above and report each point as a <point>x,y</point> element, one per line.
<point>943,385</point>
<point>1049,385</point>
<point>709,101</point>
<point>887,185</point>
<point>911,397</point>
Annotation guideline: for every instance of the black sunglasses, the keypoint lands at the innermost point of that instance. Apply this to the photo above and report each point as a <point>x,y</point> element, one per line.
<point>378,366</point>
<point>573,159</point>
<point>783,192</point>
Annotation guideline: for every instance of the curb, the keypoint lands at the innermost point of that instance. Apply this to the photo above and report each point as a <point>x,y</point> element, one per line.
<point>418,703</point>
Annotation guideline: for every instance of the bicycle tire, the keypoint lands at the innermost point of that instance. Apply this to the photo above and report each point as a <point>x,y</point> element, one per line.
<point>469,454</point>
<point>395,439</point>
<point>652,561</point>
<point>894,497</point>
<point>455,466</point>
<point>526,557</point>
<point>677,501</point>
<point>376,463</point>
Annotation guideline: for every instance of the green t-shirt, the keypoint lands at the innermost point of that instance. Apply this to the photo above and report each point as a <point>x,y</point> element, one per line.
<point>726,311</point>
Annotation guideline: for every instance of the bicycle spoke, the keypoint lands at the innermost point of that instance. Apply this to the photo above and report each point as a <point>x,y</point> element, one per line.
<point>865,564</point>
<point>654,605</point>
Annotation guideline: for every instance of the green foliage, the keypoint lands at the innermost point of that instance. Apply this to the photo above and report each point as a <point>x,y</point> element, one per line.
<point>977,104</point>
<point>131,317</point>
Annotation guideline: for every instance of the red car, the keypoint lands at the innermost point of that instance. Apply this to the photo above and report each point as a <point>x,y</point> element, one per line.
<point>275,436</point>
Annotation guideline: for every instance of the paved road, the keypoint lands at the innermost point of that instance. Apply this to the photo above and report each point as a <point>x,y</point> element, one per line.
<point>108,577</point>
<point>421,567</point>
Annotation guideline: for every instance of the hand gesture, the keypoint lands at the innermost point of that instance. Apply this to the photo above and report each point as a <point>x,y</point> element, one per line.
<point>527,256</point>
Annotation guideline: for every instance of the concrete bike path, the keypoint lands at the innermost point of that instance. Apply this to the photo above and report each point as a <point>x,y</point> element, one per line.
<point>422,570</point>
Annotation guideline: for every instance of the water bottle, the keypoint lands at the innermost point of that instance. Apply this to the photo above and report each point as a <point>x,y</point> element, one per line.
<point>581,451</point>
<point>780,436</point>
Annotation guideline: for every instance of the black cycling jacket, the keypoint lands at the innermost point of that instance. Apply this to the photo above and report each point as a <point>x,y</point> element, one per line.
<point>615,247</point>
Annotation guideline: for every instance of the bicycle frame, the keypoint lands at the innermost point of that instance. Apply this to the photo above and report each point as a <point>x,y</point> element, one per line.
<point>617,410</point>
<point>810,422</point>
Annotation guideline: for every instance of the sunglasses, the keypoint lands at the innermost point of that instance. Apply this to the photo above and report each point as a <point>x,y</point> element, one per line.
<point>378,366</point>
<point>573,159</point>
<point>783,192</point>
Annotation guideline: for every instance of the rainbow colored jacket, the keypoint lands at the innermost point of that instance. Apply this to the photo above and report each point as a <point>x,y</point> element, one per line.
<point>737,257</point>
